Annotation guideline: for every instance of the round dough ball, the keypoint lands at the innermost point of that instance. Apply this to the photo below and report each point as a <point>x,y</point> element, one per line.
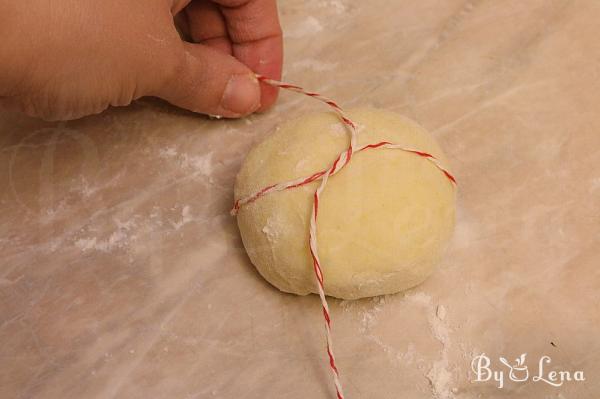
<point>384,219</point>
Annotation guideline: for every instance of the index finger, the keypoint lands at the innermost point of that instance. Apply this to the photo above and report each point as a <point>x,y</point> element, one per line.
<point>255,33</point>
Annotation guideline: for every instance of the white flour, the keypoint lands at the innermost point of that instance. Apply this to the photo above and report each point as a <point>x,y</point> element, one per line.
<point>306,27</point>
<point>439,374</point>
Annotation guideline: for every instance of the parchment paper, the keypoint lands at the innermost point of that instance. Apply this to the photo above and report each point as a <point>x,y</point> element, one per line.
<point>123,276</point>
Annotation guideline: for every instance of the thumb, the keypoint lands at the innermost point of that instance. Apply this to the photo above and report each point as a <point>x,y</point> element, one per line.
<point>211,82</point>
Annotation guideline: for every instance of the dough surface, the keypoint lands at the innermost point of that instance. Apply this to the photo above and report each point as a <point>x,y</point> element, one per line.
<point>384,220</point>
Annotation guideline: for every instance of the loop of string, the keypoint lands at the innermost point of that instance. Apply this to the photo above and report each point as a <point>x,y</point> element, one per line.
<point>338,164</point>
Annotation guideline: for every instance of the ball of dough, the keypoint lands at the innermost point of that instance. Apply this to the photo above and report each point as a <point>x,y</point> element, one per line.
<point>384,219</point>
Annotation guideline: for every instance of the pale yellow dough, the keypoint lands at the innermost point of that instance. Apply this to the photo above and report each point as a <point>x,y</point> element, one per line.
<point>383,221</point>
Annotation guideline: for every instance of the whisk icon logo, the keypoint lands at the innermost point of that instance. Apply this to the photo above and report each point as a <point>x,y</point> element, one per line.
<point>519,371</point>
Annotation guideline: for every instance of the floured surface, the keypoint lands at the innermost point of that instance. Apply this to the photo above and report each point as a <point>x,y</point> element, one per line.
<point>123,276</point>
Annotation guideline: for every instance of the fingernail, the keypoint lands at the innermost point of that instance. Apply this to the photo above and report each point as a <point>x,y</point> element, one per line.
<point>242,95</point>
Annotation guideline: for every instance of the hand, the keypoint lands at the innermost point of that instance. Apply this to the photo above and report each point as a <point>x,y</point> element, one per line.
<point>70,58</point>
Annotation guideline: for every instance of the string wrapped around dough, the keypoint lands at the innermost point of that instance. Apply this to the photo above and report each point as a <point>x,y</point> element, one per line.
<point>343,159</point>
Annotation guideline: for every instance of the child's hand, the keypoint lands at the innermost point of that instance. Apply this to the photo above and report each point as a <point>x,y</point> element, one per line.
<point>65,59</point>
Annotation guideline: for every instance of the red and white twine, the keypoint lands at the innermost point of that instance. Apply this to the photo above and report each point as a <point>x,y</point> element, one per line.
<point>338,164</point>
